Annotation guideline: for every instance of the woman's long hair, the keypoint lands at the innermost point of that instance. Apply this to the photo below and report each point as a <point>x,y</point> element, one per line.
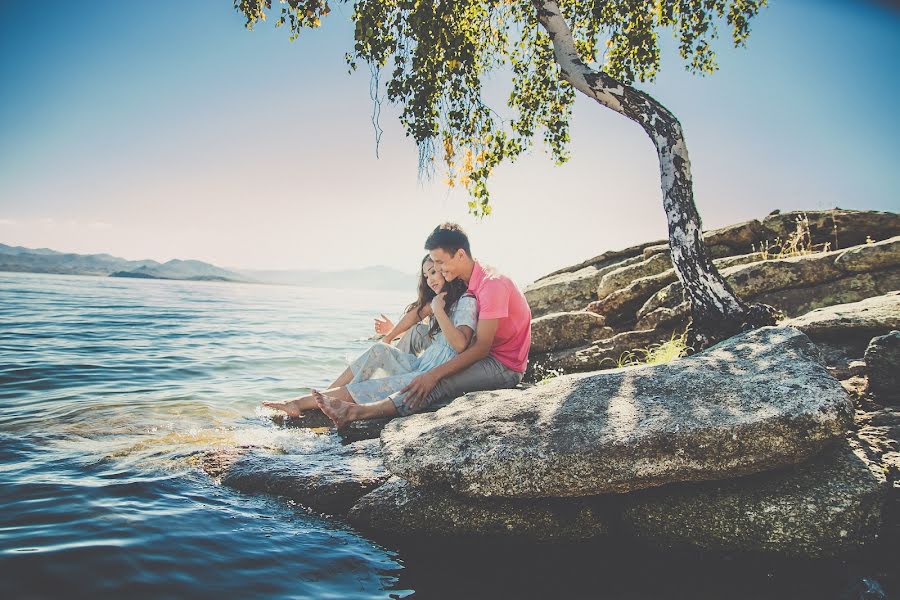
<point>455,290</point>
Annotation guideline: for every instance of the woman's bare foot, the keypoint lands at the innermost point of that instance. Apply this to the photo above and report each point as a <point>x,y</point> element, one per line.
<point>291,407</point>
<point>336,410</point>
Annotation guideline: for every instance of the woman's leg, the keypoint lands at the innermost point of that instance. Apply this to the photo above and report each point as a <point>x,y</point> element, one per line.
<point>343,412</point>
<point>345,378</point>
<point>294,407</point>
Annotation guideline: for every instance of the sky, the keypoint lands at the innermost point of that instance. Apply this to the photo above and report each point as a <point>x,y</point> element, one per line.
<point>167,130</point>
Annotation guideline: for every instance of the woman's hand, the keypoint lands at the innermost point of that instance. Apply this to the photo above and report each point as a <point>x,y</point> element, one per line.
<point>383,325</point>
<point>438,303</point>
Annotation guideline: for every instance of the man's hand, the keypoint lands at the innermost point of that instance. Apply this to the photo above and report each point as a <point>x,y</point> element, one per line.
<point>418,390</point>
<point>383,325</point>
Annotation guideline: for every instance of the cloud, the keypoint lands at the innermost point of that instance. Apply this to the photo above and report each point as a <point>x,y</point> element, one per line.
<point>9,222</point>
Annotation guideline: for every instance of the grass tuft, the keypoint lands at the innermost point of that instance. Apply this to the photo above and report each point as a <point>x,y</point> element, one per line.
<point>674,347</point>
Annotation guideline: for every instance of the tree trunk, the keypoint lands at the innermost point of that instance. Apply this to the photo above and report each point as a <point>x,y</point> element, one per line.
<point>717,313</point>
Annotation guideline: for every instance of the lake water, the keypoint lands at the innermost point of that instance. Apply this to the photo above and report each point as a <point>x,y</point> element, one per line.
<point>111,388</point>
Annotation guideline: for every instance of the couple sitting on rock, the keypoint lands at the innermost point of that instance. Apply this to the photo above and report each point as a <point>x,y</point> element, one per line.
<point>478,339</point>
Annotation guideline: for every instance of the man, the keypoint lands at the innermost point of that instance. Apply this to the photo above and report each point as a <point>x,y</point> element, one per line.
<point>497,357</point>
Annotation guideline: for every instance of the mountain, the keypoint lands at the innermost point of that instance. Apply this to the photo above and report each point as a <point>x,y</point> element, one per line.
<point>44,260</point>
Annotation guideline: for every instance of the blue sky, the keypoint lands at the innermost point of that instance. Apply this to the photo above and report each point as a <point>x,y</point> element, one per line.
<point>166,130</point>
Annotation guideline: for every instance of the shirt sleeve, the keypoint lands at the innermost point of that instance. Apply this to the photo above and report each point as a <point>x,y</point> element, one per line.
<point>466,312</point>
<point>493,300</point>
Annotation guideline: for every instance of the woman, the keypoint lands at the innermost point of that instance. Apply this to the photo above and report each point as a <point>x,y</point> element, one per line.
<point>383,370</point>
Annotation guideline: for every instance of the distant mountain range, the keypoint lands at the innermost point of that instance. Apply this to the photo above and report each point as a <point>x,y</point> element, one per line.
<point>44,260</point>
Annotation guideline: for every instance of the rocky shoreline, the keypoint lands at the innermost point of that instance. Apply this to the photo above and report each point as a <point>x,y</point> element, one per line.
<point>780,441</point>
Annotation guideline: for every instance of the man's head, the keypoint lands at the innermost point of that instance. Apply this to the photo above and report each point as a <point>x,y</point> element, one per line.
<point>448,246</point>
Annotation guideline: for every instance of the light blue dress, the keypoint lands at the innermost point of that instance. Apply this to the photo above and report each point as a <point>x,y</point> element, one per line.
<point>383,370</point>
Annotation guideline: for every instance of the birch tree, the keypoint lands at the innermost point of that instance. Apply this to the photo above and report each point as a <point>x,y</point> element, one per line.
<point>433,57</point>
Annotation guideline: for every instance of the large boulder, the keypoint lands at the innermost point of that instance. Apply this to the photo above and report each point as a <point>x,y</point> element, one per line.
<point>610,257</point>
<point>797,271</point>
<point>621,305</point>
<point>864,319</point>
<point>883,366</point>
<point>740,237</point>
<point>400,509</point>
<point>355,431</point>
<point>569,291</point>
<point>793,302</point>
<point>557,331</point>
<point>805,273</point>
<point>751,403</point>
<point>838,227</point>
<point>601,354</point>
<point>621,277</point>
<point>830,505</point>
<point>327,482</point>
<point>870,257</point>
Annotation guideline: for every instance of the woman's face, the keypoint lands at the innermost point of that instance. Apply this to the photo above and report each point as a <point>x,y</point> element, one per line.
<point>433,277</point>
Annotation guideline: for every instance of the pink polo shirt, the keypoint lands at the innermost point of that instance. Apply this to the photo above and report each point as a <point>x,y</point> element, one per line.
<point>499,298</point>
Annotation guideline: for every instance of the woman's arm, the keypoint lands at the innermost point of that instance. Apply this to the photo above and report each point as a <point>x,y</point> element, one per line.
<point>407,321</point>
<point>457,337</point>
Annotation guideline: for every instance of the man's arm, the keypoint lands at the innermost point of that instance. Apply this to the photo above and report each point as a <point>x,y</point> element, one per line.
<point>419,388</point>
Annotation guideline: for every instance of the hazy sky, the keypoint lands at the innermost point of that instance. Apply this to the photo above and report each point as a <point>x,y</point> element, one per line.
<point>166,130</point>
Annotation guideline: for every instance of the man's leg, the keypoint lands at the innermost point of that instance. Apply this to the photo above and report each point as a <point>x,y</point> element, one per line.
<point>415,340</point>
<point>486,374</point>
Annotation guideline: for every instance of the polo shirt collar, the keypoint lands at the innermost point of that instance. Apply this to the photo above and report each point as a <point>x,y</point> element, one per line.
<point>477,276</point>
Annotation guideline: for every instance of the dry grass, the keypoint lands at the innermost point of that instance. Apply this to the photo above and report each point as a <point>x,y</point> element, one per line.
<point>797,243</point>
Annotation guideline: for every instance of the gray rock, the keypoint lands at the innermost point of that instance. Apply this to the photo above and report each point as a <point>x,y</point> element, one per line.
<point>624,305</point>
<point>864,319</point>
<point>557,331</point>
<point>769,275</point>
<point>400,509</point>
<point>751,403</point>
<point>328,482</point>
<point>606,259</point>
<point>870,257</point>
<point>569,291</point>
<point>310,419</point>
<point>623,276</point>
<point>841,228</point>
<point>666,317</point>
<point>621,305</point>
<point>602,354</point>
<point>883,366</point>
<point>794,302</point>
<point>756,279</point>
<point>831,505</point>
<point>352,432</point>
<point>739,237</point>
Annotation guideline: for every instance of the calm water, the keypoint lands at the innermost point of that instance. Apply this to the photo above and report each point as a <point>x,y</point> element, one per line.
<point>109,390</point>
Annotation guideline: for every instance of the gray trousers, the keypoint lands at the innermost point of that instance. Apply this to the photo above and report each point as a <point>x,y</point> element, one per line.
<point>486,374</point>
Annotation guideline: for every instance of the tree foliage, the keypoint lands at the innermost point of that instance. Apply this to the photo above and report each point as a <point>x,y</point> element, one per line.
<point>437,55</point>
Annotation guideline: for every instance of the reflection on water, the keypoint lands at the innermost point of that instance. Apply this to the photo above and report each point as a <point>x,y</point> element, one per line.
<point>111,388</point>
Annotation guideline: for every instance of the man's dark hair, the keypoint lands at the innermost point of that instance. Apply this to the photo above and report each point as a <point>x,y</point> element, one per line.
<point>449,237</point>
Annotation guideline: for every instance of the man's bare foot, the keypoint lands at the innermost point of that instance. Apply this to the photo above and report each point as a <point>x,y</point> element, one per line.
<point>291,407</point>
<point>334,409</point>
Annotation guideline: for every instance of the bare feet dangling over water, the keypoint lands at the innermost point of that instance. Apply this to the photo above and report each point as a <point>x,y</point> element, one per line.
<point>291,407</point>
<point>334,409</point>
